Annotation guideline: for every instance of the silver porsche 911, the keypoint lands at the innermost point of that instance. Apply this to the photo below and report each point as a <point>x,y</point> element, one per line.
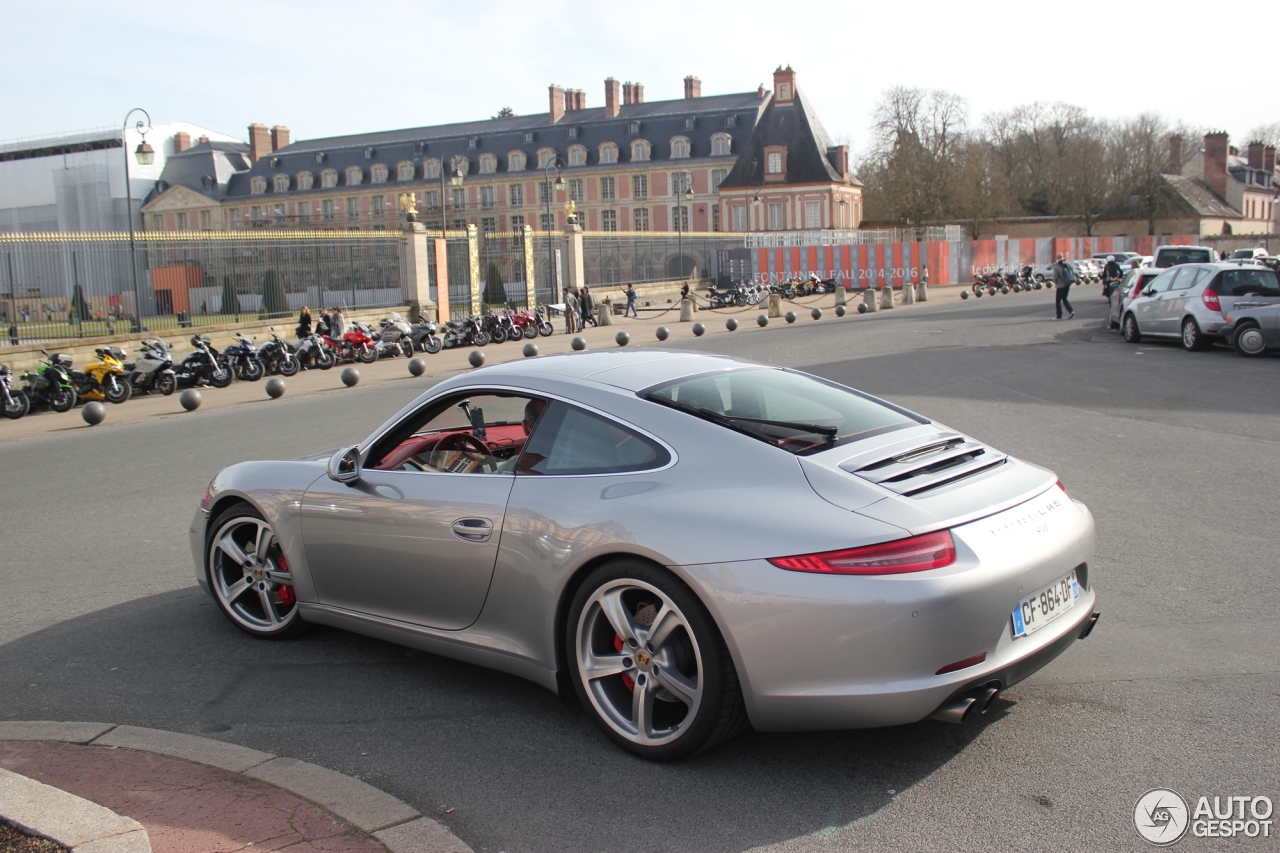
<point>691,544</point>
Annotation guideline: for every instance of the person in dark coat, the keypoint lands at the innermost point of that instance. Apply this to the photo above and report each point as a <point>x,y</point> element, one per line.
<point>304,322</point>
<point>1063,277</point>
<point>588,303</point>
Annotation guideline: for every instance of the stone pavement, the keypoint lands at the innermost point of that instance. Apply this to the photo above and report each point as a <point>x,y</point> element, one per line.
<point>196,795</point>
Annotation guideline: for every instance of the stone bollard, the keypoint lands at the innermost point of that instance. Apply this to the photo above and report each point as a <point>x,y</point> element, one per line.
<point>686,311</point>
<point>842,298</point>
<point>870,299</point>
<point>886,297</point>
<point>775,305</point>
<point>922,291</point>
<point>908,294</point>
<point>604,315</point>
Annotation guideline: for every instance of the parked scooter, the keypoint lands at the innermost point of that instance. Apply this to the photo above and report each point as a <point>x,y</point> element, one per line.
<point>202,366</point>
<point>103,379</point>
<point>278,357</point>
<point>153,371</point>
<point>51,384</point>
<point>242,359</point>
<point>13,401</point>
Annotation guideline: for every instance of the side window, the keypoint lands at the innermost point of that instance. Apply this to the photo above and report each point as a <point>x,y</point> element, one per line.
<point>476,433</point>
<point>568,440</point>
<point>1184,279</point>
<point>1162,282</point>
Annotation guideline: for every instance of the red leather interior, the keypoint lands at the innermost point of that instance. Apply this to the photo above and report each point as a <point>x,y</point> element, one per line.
<point>496,438</point>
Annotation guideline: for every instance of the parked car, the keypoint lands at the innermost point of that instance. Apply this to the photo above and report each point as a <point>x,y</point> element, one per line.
<point>1122,258</point>
<point>1127,291</point>
<point>1253,331</point>
<point>1172,256</point>
<point>1247,255</point>
<point>1189,301</point>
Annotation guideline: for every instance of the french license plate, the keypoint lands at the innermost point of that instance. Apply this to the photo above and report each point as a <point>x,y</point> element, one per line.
<point>1044,605</point>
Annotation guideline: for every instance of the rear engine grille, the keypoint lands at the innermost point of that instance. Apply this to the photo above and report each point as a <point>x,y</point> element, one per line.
<point>938,461</point>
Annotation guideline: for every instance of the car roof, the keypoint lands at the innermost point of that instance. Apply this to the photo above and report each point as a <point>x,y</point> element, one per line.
<point>630,370</point>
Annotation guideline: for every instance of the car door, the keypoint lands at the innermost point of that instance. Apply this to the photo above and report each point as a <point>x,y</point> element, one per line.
<point>413,546</point>
<point>1174,301</point>
<point>1147,307</point>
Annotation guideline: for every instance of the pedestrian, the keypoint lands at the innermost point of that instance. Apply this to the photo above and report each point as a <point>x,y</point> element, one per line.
<point>304,323</point>
<point>13,333</point>
<point>684,290</point>
<point>326,322</point>
<point>337,324</point>
<point>588,303</point>
<point>632,296</point>
<point>1063,277</point>
<point>570,312</point>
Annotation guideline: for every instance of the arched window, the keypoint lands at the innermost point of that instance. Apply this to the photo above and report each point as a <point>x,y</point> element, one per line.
<point>639,150</point>
<point>378,174</point>
<point>459,164</point>
<point>282,183</point>
<point>608,153</point>
<point>354,175</point>
<point>431,169</point>
<point>577,156</point>
<point>404,171</point>
<point>488,164</point>
<point>721,144</point>
<point>546,158</point>
<point>258,185</point>
<point>515,161</point>
<point>304,180</point>
<point>679,148</point>
<point>328,179</point>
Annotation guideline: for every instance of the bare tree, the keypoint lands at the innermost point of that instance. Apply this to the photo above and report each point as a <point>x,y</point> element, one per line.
<point>916,135</point>
<point>1267,134</point>
<point>1142,156</point>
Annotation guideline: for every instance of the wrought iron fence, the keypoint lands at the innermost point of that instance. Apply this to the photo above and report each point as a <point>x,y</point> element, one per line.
<point>65,285</point>
<point>621,258</point>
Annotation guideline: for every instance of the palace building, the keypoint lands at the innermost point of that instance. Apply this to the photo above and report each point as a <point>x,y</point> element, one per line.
<point>752,161</point>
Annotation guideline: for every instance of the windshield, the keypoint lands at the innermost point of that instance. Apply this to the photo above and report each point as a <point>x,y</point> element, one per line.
<point>795,412</point>
<point>1173,257</point>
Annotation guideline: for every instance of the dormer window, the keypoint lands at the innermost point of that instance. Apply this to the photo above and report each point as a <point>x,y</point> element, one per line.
<point>319,156</point>
<point>354,176</point>
<point>690,123</point>
<point>516,161</point>
<point>679,148</point>
<point>304,180</point>
<point>282,183</point>
<point>608,153</point>
<point>473,143</point>
<point>546,158</point>
<point>573,133</point>
<point>775,163</point>
<point>275,162</point>
<point>206,182</point>
<point>378,174</point>
<point>488,164</point>
<point>721,144</point>
<point>258,185</point>
<point>529,136</point>
<point>368,153</point>
<point>577,156</point>
<point>639,150</point>
<point>730,121</point>
<point>419,147</point>
<point>634,127</point>
<point>431,169</point>
<point>404,171</point>
<point>328,179</point>
<point>460,164</point>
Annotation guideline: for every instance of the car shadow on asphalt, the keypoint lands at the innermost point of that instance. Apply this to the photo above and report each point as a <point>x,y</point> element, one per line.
<point>521,769</point>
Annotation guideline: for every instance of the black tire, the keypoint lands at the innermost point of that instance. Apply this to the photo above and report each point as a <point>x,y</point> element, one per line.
<point>515,333</point>
<point>62,399</point>
<point>694,651</point>
<point>366,355</point>
<point>1249,341</point>
<point>119,391</point>
<point>220,380</point>
<point>247,610</point>
<point>480,338</point>
<point>531,330</point>
<point>287,365</point>
<point>1193,340</point>
<point>546,329</point>
<point>498,335</point>
<point>1129,328</point>
<point>166,384</point>
<point>740,300</point>
<point>18,406</point>
<point>252,370</point>
<point>431,344</point>
<point>406,347</point>
<point>324,359</point>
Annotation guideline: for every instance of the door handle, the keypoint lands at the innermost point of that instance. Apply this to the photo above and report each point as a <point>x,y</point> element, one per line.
<point>473,529</point>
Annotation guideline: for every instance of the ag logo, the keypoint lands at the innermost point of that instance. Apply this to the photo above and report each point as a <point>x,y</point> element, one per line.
<point>1161,816</point>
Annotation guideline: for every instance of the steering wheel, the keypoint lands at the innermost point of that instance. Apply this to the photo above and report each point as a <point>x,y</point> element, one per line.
<point>467,443</point>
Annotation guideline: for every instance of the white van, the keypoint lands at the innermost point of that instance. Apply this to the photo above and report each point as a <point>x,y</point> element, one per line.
<point>1172,256</point>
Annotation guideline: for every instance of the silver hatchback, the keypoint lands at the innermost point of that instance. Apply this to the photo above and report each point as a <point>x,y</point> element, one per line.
<point>1187,302</point>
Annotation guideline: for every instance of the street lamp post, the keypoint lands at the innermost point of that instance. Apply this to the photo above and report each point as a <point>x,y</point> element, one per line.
<point>687,195</point>
<point>146,156</point>
<point>547,165</point>
<point>455,178</point>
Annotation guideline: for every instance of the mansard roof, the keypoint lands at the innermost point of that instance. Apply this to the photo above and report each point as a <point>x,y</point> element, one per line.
<point>206,168</point>
<point>794,126</point>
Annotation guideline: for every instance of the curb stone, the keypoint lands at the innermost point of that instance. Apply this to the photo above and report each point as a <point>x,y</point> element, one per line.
<point>75,823</point>
<point>397,825</point>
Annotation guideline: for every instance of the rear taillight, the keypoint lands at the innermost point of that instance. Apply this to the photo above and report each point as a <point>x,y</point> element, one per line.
<point>1211,302</point>
<point>916,554</point>
<point>962,664</point>
<point>1064,490</point>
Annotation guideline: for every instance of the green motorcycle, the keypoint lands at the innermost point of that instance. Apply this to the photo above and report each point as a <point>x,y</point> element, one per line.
<point>51,385</point>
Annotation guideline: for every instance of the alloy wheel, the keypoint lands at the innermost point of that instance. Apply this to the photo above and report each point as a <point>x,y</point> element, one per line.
<point>250,576</point>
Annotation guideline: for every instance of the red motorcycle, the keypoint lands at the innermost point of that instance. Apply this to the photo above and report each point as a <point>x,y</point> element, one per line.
<point>355,345</point>
<point>532,323</point>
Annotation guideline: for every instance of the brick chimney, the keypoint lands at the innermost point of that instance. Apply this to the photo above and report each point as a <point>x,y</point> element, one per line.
<point>1175,154</point>
<point>556,93</point>
<point>1215,162</point>
<point>784,86</point>
<point>612,97</point>
<point>760,91</point>
<point>637,94</point>
<point>628,93</point>
<point>181,142</point>
<point>692,87</point>
<point>838,156</point>
<point>1269,159</point>
<point>1255,155</point>
<point>204,139</point>
<point>580,99</point>
<point>259,142</point>
<point>279,137</point>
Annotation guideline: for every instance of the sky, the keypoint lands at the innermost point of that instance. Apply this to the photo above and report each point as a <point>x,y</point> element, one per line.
<point>328,68</point>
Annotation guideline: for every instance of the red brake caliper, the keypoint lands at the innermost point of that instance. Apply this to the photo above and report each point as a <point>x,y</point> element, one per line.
<point>285,592</point>
<point>617,645</point>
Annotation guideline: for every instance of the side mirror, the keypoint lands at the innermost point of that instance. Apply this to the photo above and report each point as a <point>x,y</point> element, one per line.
<point>344,467</point>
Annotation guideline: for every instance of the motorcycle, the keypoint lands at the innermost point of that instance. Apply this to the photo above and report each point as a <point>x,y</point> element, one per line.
<point>202,366</point>
<point>726,298</point>
<point>393,340</point>
<point>512,331</point>
<point>103,379</point>
<point>493,327</point>
<point>527,323</point>
<point>423,337</point>
<point>313,351</point>
<point>466,332</point>
<point>13,401</point>
<point>153,371</point>
<point>51,385</point>
<point>356,345</point>
<point>278,357</point>
<point>241,358</point>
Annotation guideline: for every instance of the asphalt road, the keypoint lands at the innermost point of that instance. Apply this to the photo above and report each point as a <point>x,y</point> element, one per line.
<point>1176,454</point>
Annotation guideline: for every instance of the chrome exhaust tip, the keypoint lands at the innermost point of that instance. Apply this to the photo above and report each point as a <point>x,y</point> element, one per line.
<point>986,697</point>
<point>955,710</point>
<point>1088,626</point>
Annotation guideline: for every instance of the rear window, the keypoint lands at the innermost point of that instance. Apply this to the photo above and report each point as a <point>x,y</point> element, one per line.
<point>1248,283</point>
<point>792,411</point>
<point>1172,257</point>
